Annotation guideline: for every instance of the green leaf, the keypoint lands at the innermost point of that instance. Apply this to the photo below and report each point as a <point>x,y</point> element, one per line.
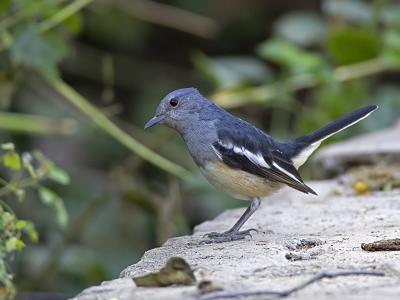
<point>5,6</point>
<point>31,231</point>
<point>8,219</point>
<point>352,45</point>
<point>74,23</point>
<point>49,197</point>
<point>59,175</point>
<point>293,58</point>
<point>12,161</point>
<point>62,216</point>
<point>20,193</point>
<point>40,51</point>
<point>14,244</point>
<point>21,224</point>
<point>391,50</point>
<point>304,28</point>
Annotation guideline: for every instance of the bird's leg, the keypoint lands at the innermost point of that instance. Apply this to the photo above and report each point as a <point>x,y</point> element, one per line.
<point>234,234</point>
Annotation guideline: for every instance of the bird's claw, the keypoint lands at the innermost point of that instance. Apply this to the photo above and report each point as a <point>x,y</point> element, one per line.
<point>227,236</point>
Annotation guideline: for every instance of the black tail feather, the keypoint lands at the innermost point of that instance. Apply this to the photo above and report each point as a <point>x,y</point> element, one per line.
<point>336,126</point>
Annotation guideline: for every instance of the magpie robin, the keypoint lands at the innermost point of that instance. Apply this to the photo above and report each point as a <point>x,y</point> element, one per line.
<point>239,158</point>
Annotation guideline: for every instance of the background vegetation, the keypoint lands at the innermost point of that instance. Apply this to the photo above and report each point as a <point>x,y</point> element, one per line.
<point>79,78</point>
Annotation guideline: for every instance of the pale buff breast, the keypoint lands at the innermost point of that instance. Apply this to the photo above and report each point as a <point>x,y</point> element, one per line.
<point>237,183</point>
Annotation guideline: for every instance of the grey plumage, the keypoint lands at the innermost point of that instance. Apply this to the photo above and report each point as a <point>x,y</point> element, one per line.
<point>235,155</point>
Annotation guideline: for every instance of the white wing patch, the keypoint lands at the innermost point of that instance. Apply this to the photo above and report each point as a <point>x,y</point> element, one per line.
<point>255,158</point>
<point>285,172</point>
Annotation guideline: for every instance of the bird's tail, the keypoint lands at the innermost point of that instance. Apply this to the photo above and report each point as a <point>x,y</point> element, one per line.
<point>306,144</point>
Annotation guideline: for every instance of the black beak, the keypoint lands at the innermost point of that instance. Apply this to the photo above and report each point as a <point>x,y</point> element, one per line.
<point>153,121</point>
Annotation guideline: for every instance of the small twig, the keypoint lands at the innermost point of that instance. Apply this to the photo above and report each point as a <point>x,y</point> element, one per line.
<point>382,245</point>
<point>23,14</point>
<point>283,294</point>
<point>67,11</point>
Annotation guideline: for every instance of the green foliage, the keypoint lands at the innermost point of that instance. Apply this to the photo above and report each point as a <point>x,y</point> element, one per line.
<point>50,198</point>
<point>29,171</point>
<point>352,45</point>
<point>391,52</point>
<point>24,34</point>
<point>12,160</point>
<point>330,55</point>
<point>288,55</point>
<point>294,71</point>
<point>36,50</point>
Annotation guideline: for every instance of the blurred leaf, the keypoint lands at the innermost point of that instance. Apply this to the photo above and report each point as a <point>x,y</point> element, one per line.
<point>391,50</point>
<point>49,197</point>
<point>20,193</point>
<point>5,6</point>
<point>230,98</point>
<point>31,232</point>
<point>8,146</point>
<point>352,11</point>
<point>14,244</point>
<point>38,8</point>
<point>287,54</point>
<point>12,160</point>
<point>304,28</point>
<point>352,45</point>
<point>231,71</point>
<point>74,23</point>
<point>21,224</point>
<point>59,175</point>
<point>40,51</point>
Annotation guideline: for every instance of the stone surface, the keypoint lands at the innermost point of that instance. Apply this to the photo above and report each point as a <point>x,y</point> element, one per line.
<point>299,236</point>
<point>370,148</point>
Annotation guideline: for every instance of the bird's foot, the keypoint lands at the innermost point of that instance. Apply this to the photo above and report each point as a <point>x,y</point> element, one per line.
<point>227,236</point>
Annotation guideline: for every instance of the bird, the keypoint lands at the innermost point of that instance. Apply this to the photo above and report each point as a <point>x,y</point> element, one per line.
<point>237,157</point>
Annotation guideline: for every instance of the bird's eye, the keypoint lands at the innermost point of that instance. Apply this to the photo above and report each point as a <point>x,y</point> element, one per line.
<point>173,102</point>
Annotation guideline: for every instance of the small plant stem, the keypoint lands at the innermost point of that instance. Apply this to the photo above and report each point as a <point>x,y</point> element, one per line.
<point>98,118</point>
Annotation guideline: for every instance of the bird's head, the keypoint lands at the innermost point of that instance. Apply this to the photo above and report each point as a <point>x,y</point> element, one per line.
<point>178,108</point>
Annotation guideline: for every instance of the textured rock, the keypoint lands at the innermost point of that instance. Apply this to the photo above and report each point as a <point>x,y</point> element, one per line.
<point>299,236</point>
<point>370,148</point>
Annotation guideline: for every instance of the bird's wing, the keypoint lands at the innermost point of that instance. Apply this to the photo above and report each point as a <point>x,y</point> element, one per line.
<point>250,150</point>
